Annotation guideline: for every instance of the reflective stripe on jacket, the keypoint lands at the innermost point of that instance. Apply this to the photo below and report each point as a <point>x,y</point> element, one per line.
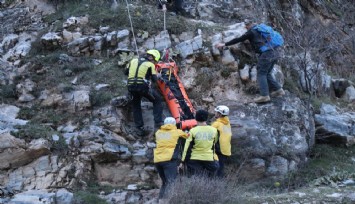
<point>146,69</point>
<point>202,140</point>
<point>168,147</point>
<point>225,134</point>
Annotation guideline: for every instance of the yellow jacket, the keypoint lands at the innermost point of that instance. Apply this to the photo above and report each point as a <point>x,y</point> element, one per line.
<point>225,134</point>
<point>167,140</point>
<point>145,71</point>
<point>202,140</point>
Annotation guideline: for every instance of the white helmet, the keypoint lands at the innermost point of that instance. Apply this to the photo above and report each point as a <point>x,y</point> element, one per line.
<point>170,120</point>
<point>224,110</point>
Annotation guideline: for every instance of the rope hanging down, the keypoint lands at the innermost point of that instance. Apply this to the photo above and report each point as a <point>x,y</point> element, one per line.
<point>134,36</point>
<point>164,20</point>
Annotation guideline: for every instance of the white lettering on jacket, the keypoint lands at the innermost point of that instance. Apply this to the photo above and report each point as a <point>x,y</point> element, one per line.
<point>204,136</point>
<point>163,136</point>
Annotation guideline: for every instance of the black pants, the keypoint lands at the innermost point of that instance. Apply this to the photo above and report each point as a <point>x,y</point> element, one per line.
<point>222,160</point>
<point>167,172</point>
<point>154,97</point>
<point>202,168</point>
<point>177,5</point>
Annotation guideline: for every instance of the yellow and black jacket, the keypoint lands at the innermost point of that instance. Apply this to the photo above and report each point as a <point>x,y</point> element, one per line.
<point>225,135</point>
<point>140,70</point>
<point>201,143</point>
<point>168,144</point>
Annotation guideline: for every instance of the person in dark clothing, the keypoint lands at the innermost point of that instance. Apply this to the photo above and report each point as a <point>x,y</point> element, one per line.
<point>177,8</point>
<point>140,73</point>
<point>266,61</point>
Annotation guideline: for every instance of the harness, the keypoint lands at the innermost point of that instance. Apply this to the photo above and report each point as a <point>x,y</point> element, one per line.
<point>137,80</point>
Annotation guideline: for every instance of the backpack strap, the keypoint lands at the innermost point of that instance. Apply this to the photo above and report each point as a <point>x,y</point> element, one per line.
<point>140,62</point>
<point>136,79</point>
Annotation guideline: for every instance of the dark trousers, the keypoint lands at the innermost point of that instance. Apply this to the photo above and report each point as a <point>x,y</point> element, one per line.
<point>167,172</point>
<point>202,168</point>
<point>177,5</point>
<point>154,97</point>
<point>265,65</point>
<point>222,160</point>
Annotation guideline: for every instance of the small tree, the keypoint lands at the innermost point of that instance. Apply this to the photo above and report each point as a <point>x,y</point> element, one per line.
<point>309,45</point>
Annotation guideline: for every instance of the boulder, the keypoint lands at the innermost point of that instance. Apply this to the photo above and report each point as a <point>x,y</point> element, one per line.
<point>335,127</point>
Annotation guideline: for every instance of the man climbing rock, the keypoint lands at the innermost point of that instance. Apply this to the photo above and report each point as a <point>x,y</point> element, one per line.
<point>201,144</point>
<point>140,74</point>
<point>223,146</point>
<point>167,154</point>
<point>267,57</point>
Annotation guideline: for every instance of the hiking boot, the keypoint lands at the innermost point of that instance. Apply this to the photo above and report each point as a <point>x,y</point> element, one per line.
<point>262,99</point>
<point>277,93</point>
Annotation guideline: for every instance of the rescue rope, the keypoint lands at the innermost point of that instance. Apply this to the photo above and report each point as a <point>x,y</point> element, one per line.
<point>164,20</point>
<point>134,36</point>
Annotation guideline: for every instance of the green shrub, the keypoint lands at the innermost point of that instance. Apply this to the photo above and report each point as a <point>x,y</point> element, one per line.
<point>79,66</point>
<point>83,197</point>
<point>67,88</point>
<point>50,116</point>
<point>32,131</point>
<point>92,190</point>
<point>59,146</point>
<point>7,3</point>
<point>226,72</point>
<point>325,160</point>
<point>101,14</point>
<point>292,86</point>
<point>8,91</point>
<point>100,98</point>
<point>318,101</point>
<point>27,113</point>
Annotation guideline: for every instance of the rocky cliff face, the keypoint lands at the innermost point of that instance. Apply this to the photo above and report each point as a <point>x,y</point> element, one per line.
<point>58,129</point>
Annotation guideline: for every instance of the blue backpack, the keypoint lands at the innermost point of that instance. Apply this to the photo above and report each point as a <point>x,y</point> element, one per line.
<point>272,38</point>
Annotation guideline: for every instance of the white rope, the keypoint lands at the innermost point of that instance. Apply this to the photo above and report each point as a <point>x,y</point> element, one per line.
<point>164,20</point>
<point>134,36</point>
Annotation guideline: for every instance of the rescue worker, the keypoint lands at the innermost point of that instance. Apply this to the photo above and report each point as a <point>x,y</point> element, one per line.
<point>167,153</point>
<point>266,61</point>
<point>201,143</point>
<point>177,9</point>
<point>140,74</point>
<point>223,147</point>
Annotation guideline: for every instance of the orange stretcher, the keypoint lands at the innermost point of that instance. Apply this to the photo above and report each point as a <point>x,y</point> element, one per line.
<point>175,95</point>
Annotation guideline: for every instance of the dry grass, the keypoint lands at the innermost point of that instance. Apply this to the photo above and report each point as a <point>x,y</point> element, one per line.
<point>204,190</point>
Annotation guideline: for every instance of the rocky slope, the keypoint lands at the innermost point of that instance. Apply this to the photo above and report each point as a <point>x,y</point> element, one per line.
<point>60,70</point>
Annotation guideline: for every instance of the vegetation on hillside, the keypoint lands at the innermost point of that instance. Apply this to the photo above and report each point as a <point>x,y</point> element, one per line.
<point>328,165</point>
<point>49,72</point>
